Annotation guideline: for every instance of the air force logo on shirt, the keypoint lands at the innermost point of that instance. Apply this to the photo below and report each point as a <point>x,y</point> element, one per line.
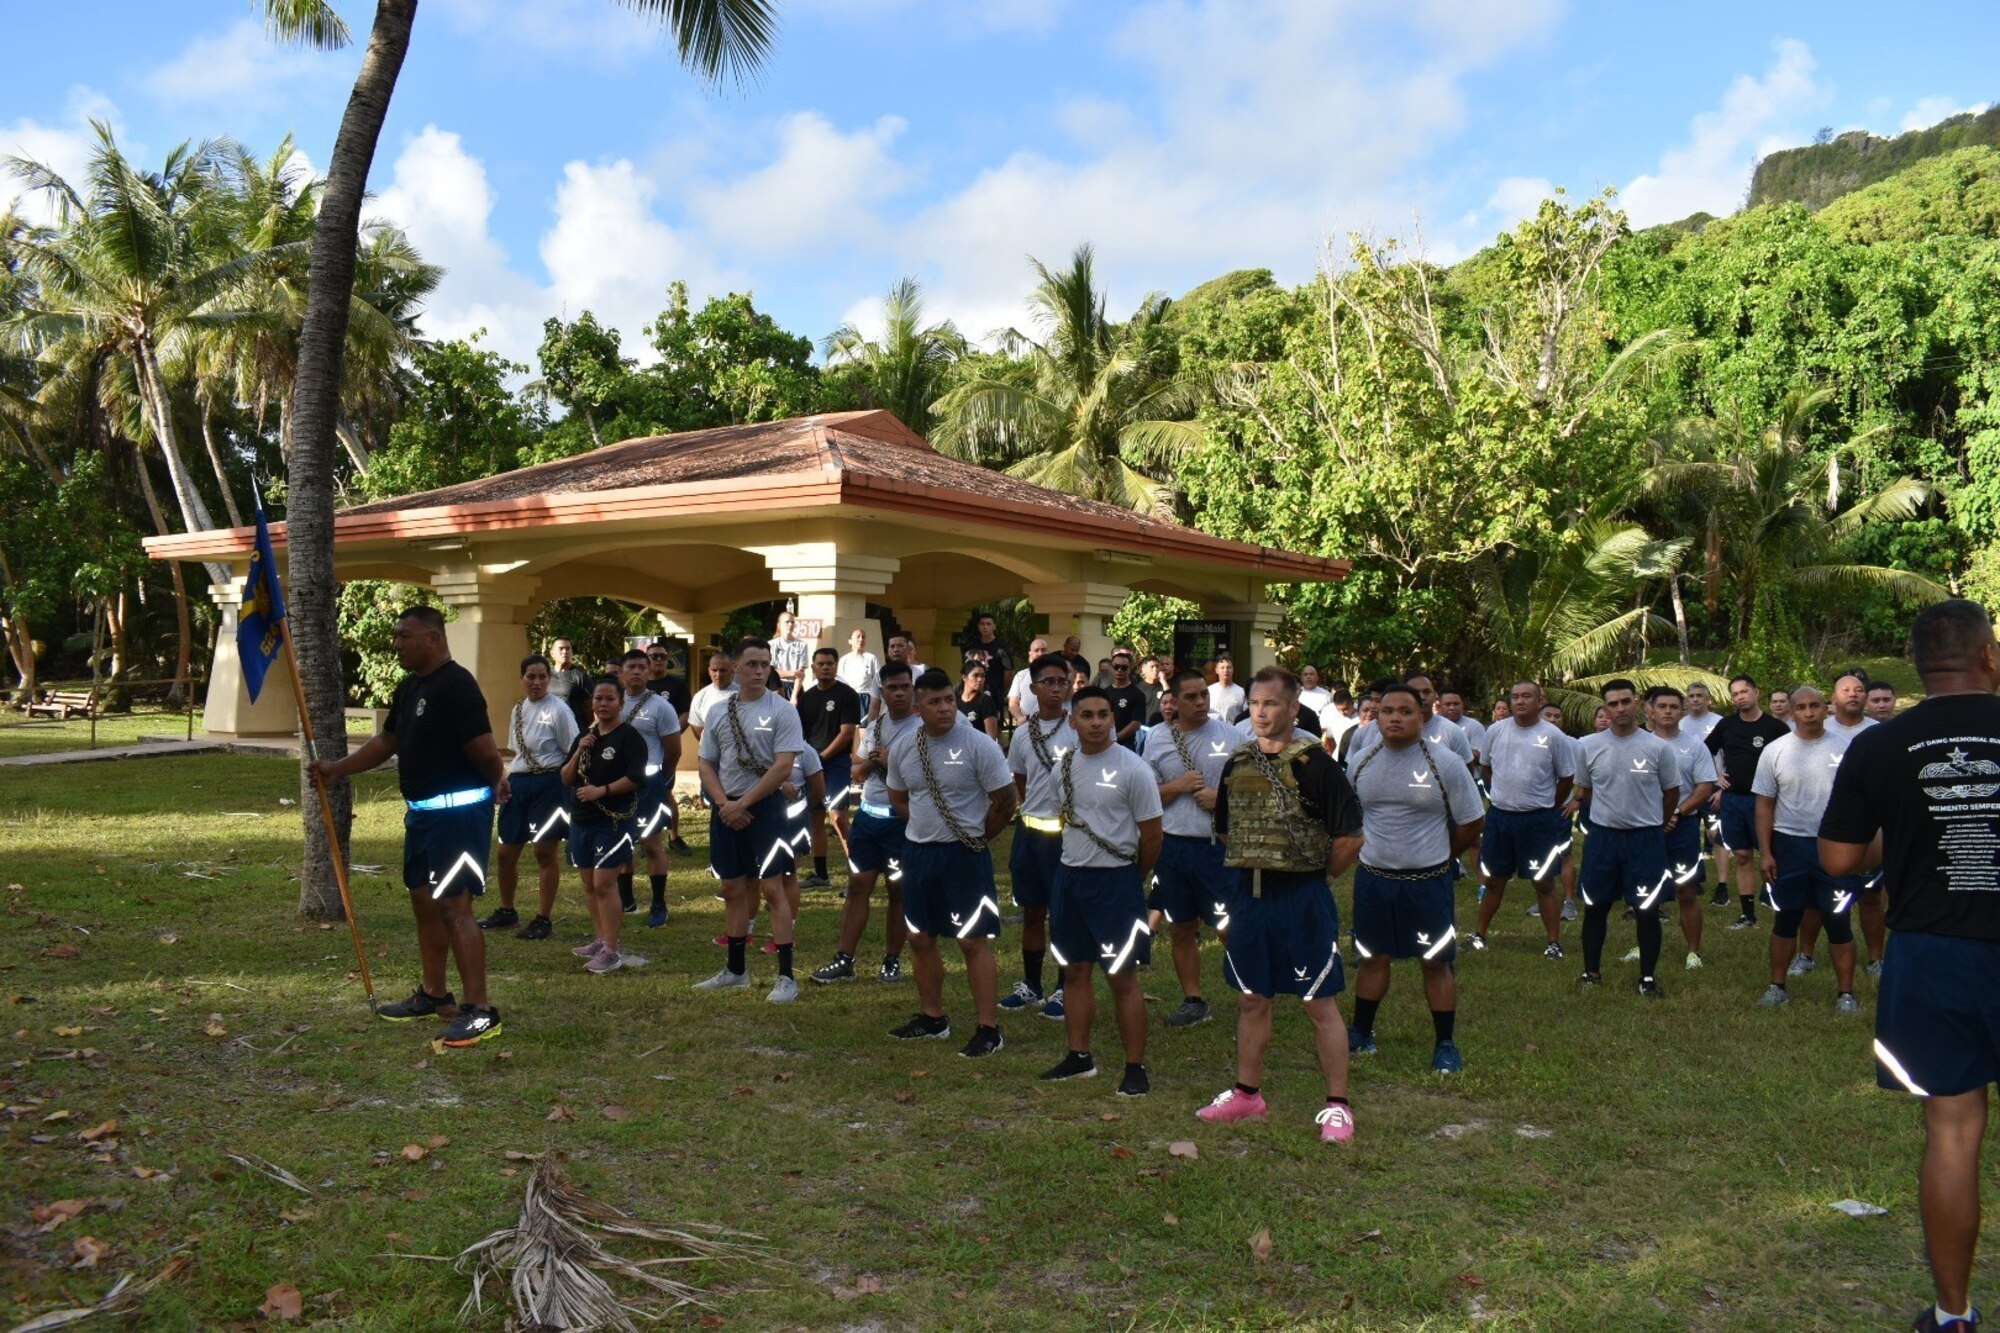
<point>1541,742</point>
<point>1218,747</point>
<point>955,757</point>
<point>1423,779</point>
<point>1108,778</point>
<point>1638,765</point>
<point>764,722</point>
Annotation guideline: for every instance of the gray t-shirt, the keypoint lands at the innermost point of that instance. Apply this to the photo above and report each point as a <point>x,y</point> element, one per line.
<point>1798,775</point>
<point>1698,725</point>
<point>540,733</point>
<point>1112,792</point>
<point>1475,734</point>
<point>1437,732</point>
<point>968,766</point>
<point>879,737</point>
<point>1209,746</point>
<point>1697,764</point>
<point>770,728</point>
<point>1527,764</point>
<point>652,717</point>
<point>1626,777</point>
<point>706,698</point>
<point>1403,797</point>
<point>1040,799</point>
<point>1835,727</point>
<point>1224,700</point>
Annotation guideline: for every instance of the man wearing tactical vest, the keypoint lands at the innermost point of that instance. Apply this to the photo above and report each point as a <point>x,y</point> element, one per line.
<point>1034,754</point>
<point>1420,811</point>
<point>1291,824</point>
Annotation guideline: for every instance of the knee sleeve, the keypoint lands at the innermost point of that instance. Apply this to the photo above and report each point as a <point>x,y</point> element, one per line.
<point>1787,925</point>
<point>1839,930</point>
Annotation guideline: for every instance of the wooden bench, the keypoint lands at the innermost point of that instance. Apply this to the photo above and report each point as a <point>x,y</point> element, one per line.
<point>62,704</point>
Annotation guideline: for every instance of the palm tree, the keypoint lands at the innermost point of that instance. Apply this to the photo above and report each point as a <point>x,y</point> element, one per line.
<point>1101,417</point>
<point>1775,519</point>
<point>712,37</point>
<point>905,371</point>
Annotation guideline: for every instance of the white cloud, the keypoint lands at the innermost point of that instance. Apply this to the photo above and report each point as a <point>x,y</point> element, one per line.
<point>243,67</point>
<point>957,18</point>
<point>1930,110</point>
<point>1517,197</point>
<point>818,194</point>
<point>532,30</point>
<point>1710,172</point>
<point>65,147</point>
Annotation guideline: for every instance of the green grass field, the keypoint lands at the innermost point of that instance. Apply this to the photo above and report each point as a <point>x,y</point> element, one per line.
<point>44,735</point>
<point>1601,1163</point>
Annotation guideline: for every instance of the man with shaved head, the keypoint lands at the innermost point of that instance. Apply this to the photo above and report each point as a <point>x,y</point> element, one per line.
<point>1530,766</point>
<point>1793,783</point>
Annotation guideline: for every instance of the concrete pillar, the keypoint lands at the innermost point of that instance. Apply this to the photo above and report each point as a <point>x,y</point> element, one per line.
<point>489,637</point>
<point>1252,639</point>
<point>833,587</point>
<point>936,632</point>
<point>1082,609</point>
<point>228,710</point>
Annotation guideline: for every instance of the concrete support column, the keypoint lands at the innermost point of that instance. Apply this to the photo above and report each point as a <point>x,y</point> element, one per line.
<point>935,630</point>
<point>1253,629</point>
<point>833,587</point>
<point>1082,609</point>
<point>699,628</point>
<point>489,637</point>
<point>228,710</point>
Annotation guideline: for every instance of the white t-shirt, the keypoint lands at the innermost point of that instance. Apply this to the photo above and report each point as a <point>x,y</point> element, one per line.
<point>706,698</point>
<point>1335,724</point>
<point>862,672</point>
<point>1835,727</point>
<point>541,732</point>
<point>1022,691</point>
<point>1112,792</point>
<point>1798,775</point>
<point>1317,698</point>
<point>770,728</point>
<point>968,766</point>
<point>1224,700</point>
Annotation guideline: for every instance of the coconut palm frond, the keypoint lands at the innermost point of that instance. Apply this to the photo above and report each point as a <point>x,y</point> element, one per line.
<point>1899,581</point>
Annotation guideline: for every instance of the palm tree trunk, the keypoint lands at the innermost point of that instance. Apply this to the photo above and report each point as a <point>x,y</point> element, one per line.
<point>1680,615</point>
<point>194,511</point>
<point>183,621</point>
<point>350,439</point>
<point>315,409</point>
<point>20,639</point>
<point>221,474</point>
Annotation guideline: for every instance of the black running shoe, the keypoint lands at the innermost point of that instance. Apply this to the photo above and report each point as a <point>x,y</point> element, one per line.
<point>984,1042</point>
<point>421,1004</point>
<point>472,1026</point>
<point>892,970</point>
<point>1649,989</point>
<point>815,881</point>
<point>679,844</point>
<point>1191,1012</point>
<point>922,1027</point>
<point>1589,979</point>
<point>1135,1083</point>
<point>500,918</point>
<point>1928,1322</point>
<point>629,906</point>
<point>1720,898</point>
<point>840,969</point>
<point>538,929</point>
<point>1076,1064</point>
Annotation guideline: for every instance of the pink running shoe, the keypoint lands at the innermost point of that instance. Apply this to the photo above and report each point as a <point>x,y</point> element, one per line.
<point>770,946</point>
<point>590,950</point>
<point>722,941</point>
<point>605,961</point>
<point>1232,1106</point>
<point>1336,1125</point>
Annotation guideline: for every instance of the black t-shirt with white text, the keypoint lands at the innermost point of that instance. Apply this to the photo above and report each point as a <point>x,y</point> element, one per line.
<point>1325,793</point>
<point>433,719</point>
<point>978,708</point>
<point>1128,704</point>
<point>825,709</point>
<point>617,753</point>
<point>1739,745</point>
<point>1929,780</point>
<point>676,690</point>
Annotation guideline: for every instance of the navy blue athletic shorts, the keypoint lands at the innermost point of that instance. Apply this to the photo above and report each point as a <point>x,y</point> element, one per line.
<point>1032,863</point>
<point>1284,945</point>
<point>1099,916</point>
<point>874,844</point>
<point>656,803</point>
<point>1937,1014</point>
<point>1628,863</point>
<point>1532,844</point>
<point>840,790</point>
<point>1739,821</point>
<point>758,851</point>
<point>948,891</point>
<point>444,851</point>
<point>537,809</point>
<point>1683,846</point>
<point>1802,885</point>
<point>1404,918</point>
<point>1190,882</point>
<point>603,846</point>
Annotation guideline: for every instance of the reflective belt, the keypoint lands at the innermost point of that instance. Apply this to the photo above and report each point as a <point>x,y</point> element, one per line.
<point>452,800</point>
<point>1042,823</point>
<point>653,769</point>
<point>877,811</point>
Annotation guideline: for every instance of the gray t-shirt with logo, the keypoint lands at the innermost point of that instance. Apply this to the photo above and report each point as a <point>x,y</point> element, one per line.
<point>1403,797</point>
<point>1835,727</point>
<point>1058,738</point>
<point>968,766</point>
<point>1475,734</point>
<point>1437,732</point>
<point>770,728</point>
<point>882,734</point>
<point>1527,764</point>
<point>1210,745</point>
<point>1112,792</point>
<point>1697,764</point>
<point>652,717</point>
<point>1798,775</point>
<point>1626,777</point>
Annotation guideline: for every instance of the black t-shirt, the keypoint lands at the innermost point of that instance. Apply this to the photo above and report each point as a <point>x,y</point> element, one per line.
<point>676,690</point>
<point>1327,796</point>
<point>1128,704</point>
<point>1740,745</point>
<point>572,685</point>
<point>433,719</point>
<point>825,709</point>
<point>999,666</point>
<point>1929,780</point>
<point>618,753</point>
<point>978,708</point>
<point>1308,721</point>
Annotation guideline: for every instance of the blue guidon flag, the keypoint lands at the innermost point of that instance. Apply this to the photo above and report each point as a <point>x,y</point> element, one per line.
<point>259,627</point>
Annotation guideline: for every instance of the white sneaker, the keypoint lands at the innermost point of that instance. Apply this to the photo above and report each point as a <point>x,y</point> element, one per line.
<point>1801,965</point>
<point>1774,996</point>
<point>784,991</point>
<point>1694,961</point>
<point>725,980</point>
<point>1632,954</point>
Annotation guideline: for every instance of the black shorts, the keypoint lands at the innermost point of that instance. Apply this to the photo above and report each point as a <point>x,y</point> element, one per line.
<point>1628,863</point>
<point>1032,863</point>
<point>760,850</point>
<point>444,851</point>
<point>1284,945</point>
<point>1190,881</point>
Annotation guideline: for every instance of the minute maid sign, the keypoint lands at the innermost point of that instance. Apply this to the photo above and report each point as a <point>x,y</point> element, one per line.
<point>1200,641</point>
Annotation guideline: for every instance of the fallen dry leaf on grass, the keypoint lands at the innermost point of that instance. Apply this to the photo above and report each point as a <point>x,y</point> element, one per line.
<point>88,1250</point>
<point>1170,1219</point>
<point>905,1096</point>
<point>53,1215</point>
<point>514,1156</point>
<point>60,951</point>
<point>1109,1116</point>
<point>54,1116</point>
<point>413,1152</point>
<point>69,1032</point>
<point>282,1302</point>
<point>214,1026</point>
<point>614,1111</point>
<point>560,1114</point>
<point>1120,1151</point>
<point>1184,1148</point>
<point>1260,1245</point>
<point>105,1130</point>
<point>440,1141</point>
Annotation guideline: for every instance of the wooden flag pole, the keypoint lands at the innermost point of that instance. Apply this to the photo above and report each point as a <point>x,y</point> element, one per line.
<point>326,811</point>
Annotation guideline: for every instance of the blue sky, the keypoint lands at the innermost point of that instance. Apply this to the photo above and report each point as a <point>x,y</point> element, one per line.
<point>552,154</point>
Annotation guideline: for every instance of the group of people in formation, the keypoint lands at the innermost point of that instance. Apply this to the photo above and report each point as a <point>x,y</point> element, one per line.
<point>1141,799</point>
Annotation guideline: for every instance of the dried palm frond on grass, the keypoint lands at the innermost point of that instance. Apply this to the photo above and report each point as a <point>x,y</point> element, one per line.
<point>556,1262</point>
<point>122,1299</point>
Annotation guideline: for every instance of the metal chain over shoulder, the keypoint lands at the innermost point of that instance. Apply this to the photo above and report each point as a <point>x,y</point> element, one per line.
<point>1041,742</point>
<point>1181,747</point>
<point>1267,765</point>
<point>616,816</point>
<point>521,744</point>
<point>936,790</point>
<point>746,758</point>
<point>1071,819</point>
<point>1443,796</point>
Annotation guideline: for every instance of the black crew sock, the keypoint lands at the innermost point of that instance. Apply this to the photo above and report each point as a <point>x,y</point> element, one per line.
<point>1596,924</point>
<point>1247,1089</point>
<point>1779,984</point>
<point>1192,999</point>
<point>625,888</point>
<point>989,1029</point>
<point>819,866</point>
<point>1364,1016</point>
<point>1749,901</point>
<point>1031,967</point>
<point>659,891</point>
<point>784,960</point>
<point>1331,1100</point>
<point>1443,1021</point>
<point>736,943</point>
<point>1651,939</point>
